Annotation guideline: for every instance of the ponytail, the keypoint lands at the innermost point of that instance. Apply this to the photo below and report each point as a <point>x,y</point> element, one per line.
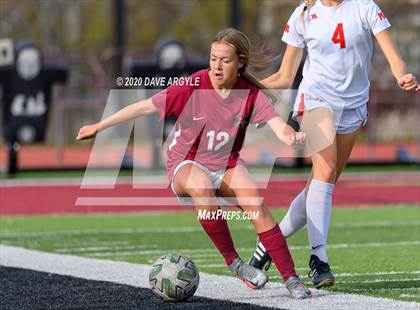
<point>250,78</point>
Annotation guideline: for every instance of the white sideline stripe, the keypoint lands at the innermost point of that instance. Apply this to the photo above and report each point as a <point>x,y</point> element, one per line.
<point>369,274</point>
<point>211,286</point>
<point>371,244</point>
<point>189,229</point>
<point>210,254</point>
<point>410,296</point>
<point>378,281</point>
<point>383,273</point>
<point>211,250</point>
<point>99,248</point>
<point>158,252</point>
<point>377,224</point>
<point>415,288</point>
<point>108,244</point>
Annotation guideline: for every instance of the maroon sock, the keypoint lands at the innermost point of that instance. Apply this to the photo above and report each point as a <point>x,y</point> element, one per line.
<point>218,232</point>
<point>276,245</point>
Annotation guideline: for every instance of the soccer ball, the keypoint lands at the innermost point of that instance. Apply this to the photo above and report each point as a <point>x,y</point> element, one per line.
<point>174,277</point>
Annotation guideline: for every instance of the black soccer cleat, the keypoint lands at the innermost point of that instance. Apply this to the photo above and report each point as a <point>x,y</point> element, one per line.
<point>261,259</point>
<point>320,273</point>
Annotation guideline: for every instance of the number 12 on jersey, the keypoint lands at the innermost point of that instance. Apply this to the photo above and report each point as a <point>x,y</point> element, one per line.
<point>221,136</point>
<point>338,36</point>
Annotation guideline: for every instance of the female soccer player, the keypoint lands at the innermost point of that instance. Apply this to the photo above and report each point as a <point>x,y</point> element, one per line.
<point>338,37</point>
<point>203,157</point>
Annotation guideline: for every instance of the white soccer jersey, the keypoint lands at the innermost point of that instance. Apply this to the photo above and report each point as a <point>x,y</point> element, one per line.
<point>339,44</point>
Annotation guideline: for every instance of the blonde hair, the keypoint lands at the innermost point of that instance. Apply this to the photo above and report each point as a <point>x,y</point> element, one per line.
<point>242,45</point>
<point>308,4</point>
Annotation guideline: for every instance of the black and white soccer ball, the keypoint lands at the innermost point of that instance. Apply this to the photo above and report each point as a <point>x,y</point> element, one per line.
<point>174,277</point>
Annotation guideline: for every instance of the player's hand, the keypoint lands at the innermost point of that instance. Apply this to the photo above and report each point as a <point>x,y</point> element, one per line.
<point>294,138</point>
<point>408,82</point>
<point>87,132</point>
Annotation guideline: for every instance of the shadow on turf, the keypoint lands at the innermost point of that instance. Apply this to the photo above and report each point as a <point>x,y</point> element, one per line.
<point>28,289</point>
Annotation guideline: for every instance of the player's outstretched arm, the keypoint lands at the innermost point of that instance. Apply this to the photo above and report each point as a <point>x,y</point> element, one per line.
<point>406,81</point>
<point>285,133</point>
<point>131,111</point>
<point>283,78</point>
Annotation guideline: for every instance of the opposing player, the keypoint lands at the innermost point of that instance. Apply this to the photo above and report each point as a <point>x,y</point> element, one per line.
<point>203,157</point>
<point>335,89</point>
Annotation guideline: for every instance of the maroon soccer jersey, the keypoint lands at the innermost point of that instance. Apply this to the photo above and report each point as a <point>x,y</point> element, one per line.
<point>210,129</point>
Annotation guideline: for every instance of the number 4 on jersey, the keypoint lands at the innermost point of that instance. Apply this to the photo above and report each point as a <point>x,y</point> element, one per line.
<point>338,36</point>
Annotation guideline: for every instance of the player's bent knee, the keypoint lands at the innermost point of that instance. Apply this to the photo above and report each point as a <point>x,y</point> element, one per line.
<point>200,192</point>
<point>203,197</point>
<point>326,174</point>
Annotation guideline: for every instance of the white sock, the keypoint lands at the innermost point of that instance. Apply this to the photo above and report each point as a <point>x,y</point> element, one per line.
<point>318,210</point>
<point>295,217</point>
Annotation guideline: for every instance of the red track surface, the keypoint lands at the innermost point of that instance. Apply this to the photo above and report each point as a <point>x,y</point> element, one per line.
<point>35,156</point>
<point>60,199</point>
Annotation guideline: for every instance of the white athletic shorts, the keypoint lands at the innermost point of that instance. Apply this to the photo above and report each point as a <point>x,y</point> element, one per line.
<point>346,121</point>
<point>216,178</point>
